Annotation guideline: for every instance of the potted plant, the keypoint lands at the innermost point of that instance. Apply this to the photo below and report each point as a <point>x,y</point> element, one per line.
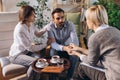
<point>42,18</point>
<point>22,3</point>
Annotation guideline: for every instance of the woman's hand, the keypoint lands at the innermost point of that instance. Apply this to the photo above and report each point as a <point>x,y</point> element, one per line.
<point>74,53</point>
<point>50,40</point>
<point>67,49</point>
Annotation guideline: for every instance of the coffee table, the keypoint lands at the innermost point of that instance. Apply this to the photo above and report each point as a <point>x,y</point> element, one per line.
<point>52,70</point>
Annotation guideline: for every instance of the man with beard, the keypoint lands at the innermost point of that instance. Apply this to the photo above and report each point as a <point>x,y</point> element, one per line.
<point>60,35</point>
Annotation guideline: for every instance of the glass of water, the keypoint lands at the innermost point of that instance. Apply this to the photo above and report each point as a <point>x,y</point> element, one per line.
<point>61,62</point>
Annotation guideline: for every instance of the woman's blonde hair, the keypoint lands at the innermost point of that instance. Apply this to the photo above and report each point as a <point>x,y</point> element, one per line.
<point>97,14</point>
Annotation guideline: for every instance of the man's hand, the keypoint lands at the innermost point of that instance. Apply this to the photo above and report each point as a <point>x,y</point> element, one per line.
<point>67,49</point>
<point>70,51</point>
<point>73,47</point>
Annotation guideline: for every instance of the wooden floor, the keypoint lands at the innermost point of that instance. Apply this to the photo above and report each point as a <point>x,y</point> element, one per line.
<point>1,78</point>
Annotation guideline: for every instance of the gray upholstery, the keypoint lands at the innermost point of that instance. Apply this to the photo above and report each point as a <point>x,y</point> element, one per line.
<point>75,18</point>
<point>4,61</point>
<point>10,70</point>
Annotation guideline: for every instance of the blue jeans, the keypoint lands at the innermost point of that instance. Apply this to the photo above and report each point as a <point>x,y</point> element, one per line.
<point>73,62</point>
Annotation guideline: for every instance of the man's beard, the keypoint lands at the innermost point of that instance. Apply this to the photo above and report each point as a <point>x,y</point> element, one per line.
<point>61,24</point>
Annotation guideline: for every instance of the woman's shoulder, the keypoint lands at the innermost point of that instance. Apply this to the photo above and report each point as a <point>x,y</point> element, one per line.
<point>105,33</point>
<point>20,26</point>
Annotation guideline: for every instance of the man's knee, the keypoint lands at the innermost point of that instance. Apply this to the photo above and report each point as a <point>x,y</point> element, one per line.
<point>74,59</point>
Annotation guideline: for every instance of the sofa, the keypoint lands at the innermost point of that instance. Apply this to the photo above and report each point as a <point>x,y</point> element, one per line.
<point>9,71</point>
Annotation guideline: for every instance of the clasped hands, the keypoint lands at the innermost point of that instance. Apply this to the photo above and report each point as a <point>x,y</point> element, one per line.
<point>72,49</point>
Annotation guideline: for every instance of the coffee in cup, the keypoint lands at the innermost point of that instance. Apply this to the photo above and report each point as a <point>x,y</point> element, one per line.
<point>41,62</point>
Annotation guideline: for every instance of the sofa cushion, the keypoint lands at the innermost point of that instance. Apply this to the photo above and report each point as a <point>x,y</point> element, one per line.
<point>75,18</point>
<point>4,61</point>
<point>77,30</point>
<point>12,70</point>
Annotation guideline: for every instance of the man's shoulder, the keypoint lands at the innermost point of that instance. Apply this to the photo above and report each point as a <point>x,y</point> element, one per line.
<point>68,22</point>
<point>69,25</point>
<point>51,24</point>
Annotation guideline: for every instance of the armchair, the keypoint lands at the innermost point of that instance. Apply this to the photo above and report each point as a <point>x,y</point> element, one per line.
<point>75,18</point>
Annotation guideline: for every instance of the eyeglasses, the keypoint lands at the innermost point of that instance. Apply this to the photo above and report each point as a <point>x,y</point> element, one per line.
<point>58,18</point>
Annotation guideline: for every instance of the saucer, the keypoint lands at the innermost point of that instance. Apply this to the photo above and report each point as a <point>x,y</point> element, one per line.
<point>38,65</point>
<point>52,61</point>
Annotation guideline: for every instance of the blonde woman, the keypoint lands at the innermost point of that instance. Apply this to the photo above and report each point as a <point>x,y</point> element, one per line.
<point>103,47</point>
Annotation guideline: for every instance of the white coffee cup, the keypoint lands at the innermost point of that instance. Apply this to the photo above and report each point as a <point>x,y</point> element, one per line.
<point>55,58</point>
<point>41,62</point>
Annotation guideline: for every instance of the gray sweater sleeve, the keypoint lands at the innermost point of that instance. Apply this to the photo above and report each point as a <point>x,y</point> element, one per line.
<point>94,52</point>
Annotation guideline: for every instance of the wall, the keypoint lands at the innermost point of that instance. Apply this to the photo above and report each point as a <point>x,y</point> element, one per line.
<point>10,5</point>
<point>7,24</point>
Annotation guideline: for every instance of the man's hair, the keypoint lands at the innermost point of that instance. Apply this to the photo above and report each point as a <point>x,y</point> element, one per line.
<point>57,10</point>
<point>25,12</point>
<point>97,14</point>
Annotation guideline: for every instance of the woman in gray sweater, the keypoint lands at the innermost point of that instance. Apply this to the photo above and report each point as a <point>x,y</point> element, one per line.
<point>103,47</point>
